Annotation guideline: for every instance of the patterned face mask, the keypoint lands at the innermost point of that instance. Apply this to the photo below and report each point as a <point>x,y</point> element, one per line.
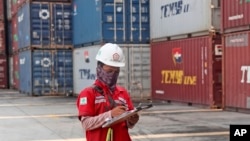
<point>109,79</point>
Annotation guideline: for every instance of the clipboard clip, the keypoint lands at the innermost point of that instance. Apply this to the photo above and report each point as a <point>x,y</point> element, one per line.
<point>141,107</point>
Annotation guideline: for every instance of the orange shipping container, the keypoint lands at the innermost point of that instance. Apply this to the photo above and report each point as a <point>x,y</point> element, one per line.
<point>187,70</point>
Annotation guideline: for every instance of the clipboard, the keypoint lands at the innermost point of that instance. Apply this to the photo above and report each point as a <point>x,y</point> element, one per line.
<point>125,116</point>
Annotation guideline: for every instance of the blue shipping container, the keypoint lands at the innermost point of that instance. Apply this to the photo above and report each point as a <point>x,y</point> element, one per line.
<point>45,25</point>
<point>117,21</point>
<point>46,72</point>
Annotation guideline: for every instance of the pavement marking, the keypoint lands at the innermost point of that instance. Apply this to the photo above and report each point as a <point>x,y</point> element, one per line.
<point>155,136</point>
<point>180,111</point>
<point>173,135</point>
<point>32,104</point>
<point>74,115</point>
<point>38,116</point>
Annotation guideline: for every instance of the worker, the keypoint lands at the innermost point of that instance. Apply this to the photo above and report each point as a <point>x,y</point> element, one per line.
<point>105,99</point>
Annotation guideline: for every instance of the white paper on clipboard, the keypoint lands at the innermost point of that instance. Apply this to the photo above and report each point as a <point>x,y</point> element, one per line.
<point>124,116</point>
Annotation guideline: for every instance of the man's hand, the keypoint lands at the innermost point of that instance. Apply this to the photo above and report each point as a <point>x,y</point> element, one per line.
<point>133,119</point>
<point>118,110</point>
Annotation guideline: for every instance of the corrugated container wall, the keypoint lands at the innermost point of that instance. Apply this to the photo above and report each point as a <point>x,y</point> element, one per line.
<point>187,71</point>
<point>10,71</point>
<point>45,25</point>
<point>235,15</point>
<point>9,34</point>
<point>14,34</point>
<point>15,72</point>
<point>1,10</point>
<point>237,70</point>
<point>182,17</point>
<point>135,76</point>
<point>46,72</point>
<point>2,39</point>
<point>115,21</point>
<point>3,72</point>
<point>52,1</point>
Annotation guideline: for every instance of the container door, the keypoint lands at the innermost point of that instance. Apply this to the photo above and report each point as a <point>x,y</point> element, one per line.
<point>217,75</point>
<point>61,24</point>
<point>137,20</point>
<point>114,20</point>
<point>63,72</point>
<point>40,24</point>
<point>3,72</point>
<point>135,76</point>
<point>42,72</point>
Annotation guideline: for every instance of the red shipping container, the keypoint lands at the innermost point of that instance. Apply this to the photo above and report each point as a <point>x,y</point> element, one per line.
<point>1,10</point>
<point>3,72</point>
<point>2,39</point>
<point>187,70</point>
<point>14,34</point>
<point>235,15</point>
<point>14,71</point>
<point>237,70</point>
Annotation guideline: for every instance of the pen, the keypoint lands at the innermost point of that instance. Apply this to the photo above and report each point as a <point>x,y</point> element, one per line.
<point>123,104</point>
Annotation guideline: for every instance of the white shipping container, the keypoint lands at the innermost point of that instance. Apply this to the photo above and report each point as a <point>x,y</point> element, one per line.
<point>170,18</point>
<point>135,76</point>
<point>84,67</point>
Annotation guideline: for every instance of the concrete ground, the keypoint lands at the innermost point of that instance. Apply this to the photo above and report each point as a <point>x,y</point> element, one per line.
<point>53,118</point>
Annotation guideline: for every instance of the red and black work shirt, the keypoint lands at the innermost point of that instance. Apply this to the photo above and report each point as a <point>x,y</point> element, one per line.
<point>92,103</point>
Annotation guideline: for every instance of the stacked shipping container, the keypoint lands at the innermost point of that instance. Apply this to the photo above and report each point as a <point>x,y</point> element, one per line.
<point>185,52</point>
<point>236,48</point>
<point>135,76</point>
<point>125,23</point>
<point>3,55</point>
<point>12,9</point>
<point>41,42</point>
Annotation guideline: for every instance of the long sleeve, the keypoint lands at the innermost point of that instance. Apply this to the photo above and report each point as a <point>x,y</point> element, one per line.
<point>90,123</point>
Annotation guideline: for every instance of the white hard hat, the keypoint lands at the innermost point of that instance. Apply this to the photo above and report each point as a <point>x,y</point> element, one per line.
<point>111,54</point>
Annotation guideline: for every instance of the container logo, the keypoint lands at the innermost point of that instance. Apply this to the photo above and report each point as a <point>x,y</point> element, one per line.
<point>245,74</point>
<point>44,14</point>
<point>174,8</point>
<point>22,61</point>
<point>177,56</point>
<point>45,62</point>
<point>86,56</point>
<point>87,74</point>
<point>20,18</point>
<point>237,40</point>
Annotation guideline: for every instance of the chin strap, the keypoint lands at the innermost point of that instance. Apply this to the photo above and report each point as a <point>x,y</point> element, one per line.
<point>109,136</point>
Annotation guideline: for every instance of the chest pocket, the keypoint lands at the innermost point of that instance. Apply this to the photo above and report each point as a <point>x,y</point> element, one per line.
<point>110,103</point>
